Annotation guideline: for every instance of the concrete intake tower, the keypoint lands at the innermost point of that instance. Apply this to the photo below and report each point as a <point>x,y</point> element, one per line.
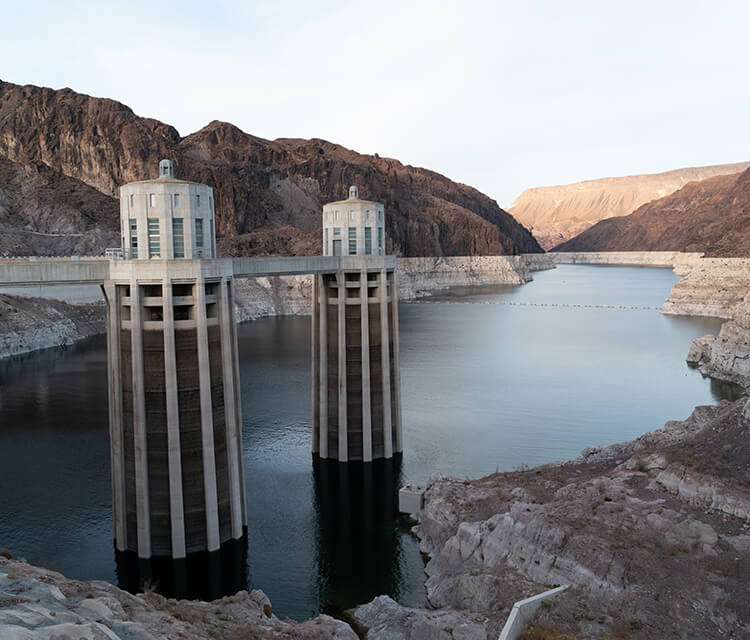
<point>174,394</point>
<point>355,352</point>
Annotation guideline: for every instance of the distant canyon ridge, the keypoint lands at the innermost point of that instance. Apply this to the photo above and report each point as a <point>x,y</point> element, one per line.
<point>558,213</point>
<point>63,156</point>
<point>710,216</point>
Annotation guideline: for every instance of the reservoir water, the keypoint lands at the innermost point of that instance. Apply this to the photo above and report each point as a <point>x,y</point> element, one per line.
<point>491,380</point>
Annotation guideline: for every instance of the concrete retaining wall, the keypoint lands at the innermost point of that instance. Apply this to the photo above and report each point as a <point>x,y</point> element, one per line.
<point>523,611</point>
<point>671,259</point>
<point>539,261</point>
<point>418,276</point>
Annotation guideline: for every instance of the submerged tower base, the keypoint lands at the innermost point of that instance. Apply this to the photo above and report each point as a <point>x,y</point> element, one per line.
<point>175,412</point>
<point>355,361</point>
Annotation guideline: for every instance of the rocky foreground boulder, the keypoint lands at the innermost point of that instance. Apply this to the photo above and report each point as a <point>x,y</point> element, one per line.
<point>726,356</point>
<point>652,535</point>
<point>37,604</point>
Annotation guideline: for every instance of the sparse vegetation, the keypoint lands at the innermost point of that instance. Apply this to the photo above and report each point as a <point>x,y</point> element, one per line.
<point>634,623</point>
<point>542,633</point>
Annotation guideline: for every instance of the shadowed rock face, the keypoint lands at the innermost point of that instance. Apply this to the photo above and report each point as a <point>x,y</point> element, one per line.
<point>259,184</point>
<point>556,214</point>
<point>710,216</point>
<point>43,212</point>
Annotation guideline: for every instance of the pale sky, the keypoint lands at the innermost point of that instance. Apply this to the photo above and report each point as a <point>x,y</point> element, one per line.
<point>499,95</point>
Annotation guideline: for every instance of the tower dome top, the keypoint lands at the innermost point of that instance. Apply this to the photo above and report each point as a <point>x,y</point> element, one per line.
<point>353,193</point>
<point>166,169</point>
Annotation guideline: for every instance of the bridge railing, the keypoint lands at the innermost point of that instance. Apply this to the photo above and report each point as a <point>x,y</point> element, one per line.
<point>24,273</point>
<point>114,254</point>
<point>300,265</point>
<point>56,271</point>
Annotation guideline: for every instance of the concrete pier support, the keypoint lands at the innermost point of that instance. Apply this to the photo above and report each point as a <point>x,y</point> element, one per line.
<point>356,402</point>
<point>175,417</point>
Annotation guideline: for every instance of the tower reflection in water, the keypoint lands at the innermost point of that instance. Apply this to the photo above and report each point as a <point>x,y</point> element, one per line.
<point>359,549</point>
<point>200,576</point>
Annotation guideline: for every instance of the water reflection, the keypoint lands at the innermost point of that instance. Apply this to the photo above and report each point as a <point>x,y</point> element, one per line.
<point>200,576</point>
<point>726,390</point>
<point>358,530</point>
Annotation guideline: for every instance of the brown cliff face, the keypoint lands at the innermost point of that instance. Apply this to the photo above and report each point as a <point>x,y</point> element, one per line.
<point>260,186</point>
<point>556,214</point>
<point>43,212</point>
<point>712,216</point>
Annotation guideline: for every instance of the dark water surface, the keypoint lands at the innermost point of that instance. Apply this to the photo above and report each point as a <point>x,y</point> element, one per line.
<point>485,385</point>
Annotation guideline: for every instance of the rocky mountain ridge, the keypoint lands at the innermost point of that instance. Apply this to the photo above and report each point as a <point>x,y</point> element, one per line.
<point>710,216</point>
<point>557,213</point>
<point>266,191</point>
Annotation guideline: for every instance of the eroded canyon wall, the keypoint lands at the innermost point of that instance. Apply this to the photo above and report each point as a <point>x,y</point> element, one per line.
<point>269,193</point>
<point>557,213</point>
<point>710,216</point>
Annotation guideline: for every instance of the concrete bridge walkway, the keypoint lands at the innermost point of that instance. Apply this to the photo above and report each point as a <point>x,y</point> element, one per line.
<point>26,272</point>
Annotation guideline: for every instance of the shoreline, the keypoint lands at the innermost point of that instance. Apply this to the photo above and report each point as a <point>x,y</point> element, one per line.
<point>53,323</point>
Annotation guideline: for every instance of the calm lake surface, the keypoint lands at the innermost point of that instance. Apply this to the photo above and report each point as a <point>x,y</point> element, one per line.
<point>486,385</point>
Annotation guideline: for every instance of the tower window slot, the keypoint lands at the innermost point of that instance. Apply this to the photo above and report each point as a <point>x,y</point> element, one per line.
<point>211,288</point>
<point>154,240</point>
<point>183,312</point>
<point>152,290</point>
<point>182,290</point>
<point>199,236</point>
<point>133,233</point>
<point>178,237</point>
